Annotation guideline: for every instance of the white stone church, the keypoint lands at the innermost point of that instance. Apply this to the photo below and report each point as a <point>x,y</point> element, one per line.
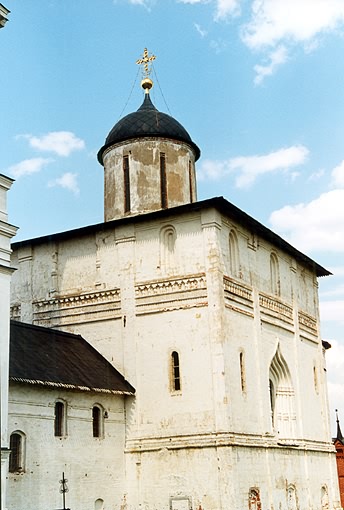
<point>210,391</point>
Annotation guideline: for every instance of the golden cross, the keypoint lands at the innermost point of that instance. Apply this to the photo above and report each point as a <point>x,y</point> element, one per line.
<point>145,61</point>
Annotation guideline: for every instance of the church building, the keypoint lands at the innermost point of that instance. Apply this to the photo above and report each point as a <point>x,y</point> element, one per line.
<point>211,322</point>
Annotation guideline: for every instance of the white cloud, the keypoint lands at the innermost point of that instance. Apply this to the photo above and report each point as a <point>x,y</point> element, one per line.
<point>67,181</point>
<point>62,143</point>
<point>212,170</point>
<point>144,3</point>
<point>338,176</point>
<point>224,8</point>
<point>28,166</point>
<point>277,58</point>
<point>200,30</point>
<point>314,226</point>
<point>332,310</point>
<point>316,175</point>
<point>297,21</point>
<point>336,291</point>
<point>193,1</point>
<point>250,167</point>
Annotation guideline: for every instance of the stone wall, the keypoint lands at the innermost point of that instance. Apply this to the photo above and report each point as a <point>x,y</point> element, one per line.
<point>94,467</point>
<point>249,422</point>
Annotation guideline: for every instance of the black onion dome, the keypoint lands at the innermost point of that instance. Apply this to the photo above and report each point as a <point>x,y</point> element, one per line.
<point>147,121</point>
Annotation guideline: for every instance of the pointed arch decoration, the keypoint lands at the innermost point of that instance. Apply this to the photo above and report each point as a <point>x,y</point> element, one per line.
<point>292,497</point>
<point>282,397</point>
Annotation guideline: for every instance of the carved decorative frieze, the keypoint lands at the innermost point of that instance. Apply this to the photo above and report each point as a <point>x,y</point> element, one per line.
<point>308,323</point>
<point>78,308</point>
<point>15,312</point>
<point>238,297</point>
<point>272,309</point>
<point>171,294</point>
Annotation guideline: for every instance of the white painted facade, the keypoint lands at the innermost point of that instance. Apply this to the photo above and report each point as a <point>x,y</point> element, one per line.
<point>214,321</point>
<point>93,466</point>
<point>141,289</point>
<point>7,231</point>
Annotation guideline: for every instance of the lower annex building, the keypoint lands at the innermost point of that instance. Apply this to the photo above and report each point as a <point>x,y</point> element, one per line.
<point>213,321</point>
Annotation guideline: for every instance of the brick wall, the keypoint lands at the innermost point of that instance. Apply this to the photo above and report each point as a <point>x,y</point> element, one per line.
<point>340,467</point>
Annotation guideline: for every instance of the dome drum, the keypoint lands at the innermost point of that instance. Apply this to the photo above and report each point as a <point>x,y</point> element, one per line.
<point>147,174</point>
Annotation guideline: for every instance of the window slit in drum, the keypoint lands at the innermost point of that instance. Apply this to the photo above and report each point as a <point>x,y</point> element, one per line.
<point>163,183</point>
<point>126,178</point>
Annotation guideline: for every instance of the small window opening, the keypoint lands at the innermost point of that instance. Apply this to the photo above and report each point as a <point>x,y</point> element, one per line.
<point>176,383</point>
<point>163,182</point>
<point>96,421</point>
<point>126,178</point>
<point>99,504</point>
<point>59,419</point>
<point>15,461</point>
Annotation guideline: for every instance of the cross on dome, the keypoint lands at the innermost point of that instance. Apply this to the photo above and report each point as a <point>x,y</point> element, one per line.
<point>146,62</point>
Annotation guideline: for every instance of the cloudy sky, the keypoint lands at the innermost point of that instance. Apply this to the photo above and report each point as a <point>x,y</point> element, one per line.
<point>257,83</point>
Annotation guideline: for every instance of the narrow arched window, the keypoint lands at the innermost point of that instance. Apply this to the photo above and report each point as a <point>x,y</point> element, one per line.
<point>60,417</point>
<point>99,504</point>
<point>175,372</point>
<point>274,275</point>
<point>233,254</point>
<point>16,461</point>
<point>97,421</point>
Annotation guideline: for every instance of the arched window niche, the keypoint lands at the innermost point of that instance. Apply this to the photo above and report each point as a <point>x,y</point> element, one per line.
<point>234,269</point>
<point>60,419</point>
<point>17,453</point>
<point>99,504</point>
<point>97,421</point>
<point>175,378</point>
<point>168,238</point>
<point>282,397</point>
<point>274,275</point>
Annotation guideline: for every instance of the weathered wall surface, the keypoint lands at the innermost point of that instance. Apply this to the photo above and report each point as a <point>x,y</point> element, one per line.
<point>144,176</point>
<point>93,466</point>
<point>251,410</point>
<point>230,477</point>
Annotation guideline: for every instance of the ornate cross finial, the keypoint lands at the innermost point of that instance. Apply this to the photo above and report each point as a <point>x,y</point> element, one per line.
<point>145,62</point>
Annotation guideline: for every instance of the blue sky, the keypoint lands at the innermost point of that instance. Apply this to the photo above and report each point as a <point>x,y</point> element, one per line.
<point>257,83</point>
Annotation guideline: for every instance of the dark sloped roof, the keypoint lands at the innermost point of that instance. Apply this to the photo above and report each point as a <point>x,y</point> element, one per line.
<point>221,204</point>
<point>147,121</point>
<point>49,357</point>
